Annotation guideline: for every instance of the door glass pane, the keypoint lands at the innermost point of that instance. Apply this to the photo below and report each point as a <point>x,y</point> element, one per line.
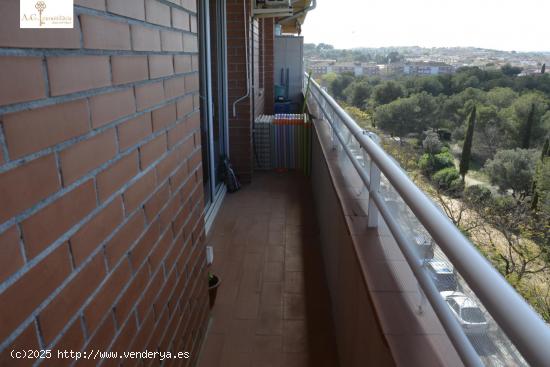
<point>217,50</point>
<point>205,123</point>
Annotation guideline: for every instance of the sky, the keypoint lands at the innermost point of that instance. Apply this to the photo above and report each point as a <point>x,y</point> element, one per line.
<point>520,25</point>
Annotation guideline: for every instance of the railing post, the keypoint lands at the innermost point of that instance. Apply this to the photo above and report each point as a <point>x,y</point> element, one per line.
<point>372,221</point>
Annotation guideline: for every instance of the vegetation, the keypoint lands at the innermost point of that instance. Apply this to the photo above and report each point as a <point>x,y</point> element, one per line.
<point>467,147</point>
<point>446,129</point>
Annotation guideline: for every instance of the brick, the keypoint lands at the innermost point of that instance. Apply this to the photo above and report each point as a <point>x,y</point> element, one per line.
<point>10,253</point>
<point>160,66</point>
<point>139,191</point>
<point>190,43</point>
<point>145,330</point>
<point>145,39</point>
<point>20,190</point>
<point>182,63</point>
<point>104,34</point>
<point>192,82</point>
<point>30,131</point>
<point>104,334</point>
<point>129,8</point>
<point>145,244</point>
<point>164,116</point>
<point>116,175</point>
<point>18,301</point>
<point>157,13</point>
<point>104,300</point>
<point>72,339</point>
<point>156,202</point>
<point>13,36</point>
<point>169,212</point>
<point>195,62</point>
<point>175,87</point>
<point>167,166</point>
<point>127,69</point>
<point>190,5</point>
<point>124,238</point>
<point>184,106</point>
<point>151,151</point>
<point>171,41</point>
<point>178,178</point>
<point>194,122</point>
<point>69,74</point>
<point>162,299</point>
<point>149,95</point>
<point>125,336</point>
<point>48,224</point>
<point>160,250</point>
<point>94,4</point>
<point>56,315</point>
<point>111,106</point>
<point>130,296</point>
<point>193,23</point>
<point>26,340</point>
<point>22,79</point>
<point>176,134</point>
<point>146,302</point>
<point>180,19</point>
<point>133,131</point>
<point>87,155</point>
<point>90,236</point>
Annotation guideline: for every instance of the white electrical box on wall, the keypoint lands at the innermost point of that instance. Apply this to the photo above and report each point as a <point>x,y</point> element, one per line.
<point>271,8</point>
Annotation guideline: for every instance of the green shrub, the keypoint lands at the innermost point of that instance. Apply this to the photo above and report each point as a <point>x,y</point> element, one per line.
<point>448,179</point>
<point>477,194</point>
<point>432,163</point>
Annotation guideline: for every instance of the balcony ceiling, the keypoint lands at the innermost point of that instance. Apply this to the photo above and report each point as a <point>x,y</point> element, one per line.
<point>294,26</point>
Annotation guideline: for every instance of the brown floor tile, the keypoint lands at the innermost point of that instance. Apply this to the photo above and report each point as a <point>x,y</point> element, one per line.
<point>273,272</point>
<point>271,310</point>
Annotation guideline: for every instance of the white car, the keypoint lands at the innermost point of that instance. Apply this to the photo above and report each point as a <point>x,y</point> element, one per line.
<point>466,311</point>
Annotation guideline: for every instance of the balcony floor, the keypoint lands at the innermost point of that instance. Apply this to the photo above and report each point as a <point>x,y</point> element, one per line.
<point>273,306</point>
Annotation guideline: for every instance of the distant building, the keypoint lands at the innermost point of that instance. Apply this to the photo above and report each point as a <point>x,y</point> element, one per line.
<point>427,68</point>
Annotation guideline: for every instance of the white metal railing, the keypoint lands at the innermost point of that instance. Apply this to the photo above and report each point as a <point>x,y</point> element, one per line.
<point>517,328</point>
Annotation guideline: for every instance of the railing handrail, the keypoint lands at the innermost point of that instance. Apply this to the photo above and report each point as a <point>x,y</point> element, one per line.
<point>525,328</point>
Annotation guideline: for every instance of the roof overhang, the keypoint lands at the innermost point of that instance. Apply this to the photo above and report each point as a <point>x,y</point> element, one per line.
<point>294,25</point>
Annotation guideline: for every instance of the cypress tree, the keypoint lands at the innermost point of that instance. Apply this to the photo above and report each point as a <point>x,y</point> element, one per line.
<point>525,140</point>
<point>545,149</point>
<point>545,152</point>
<point>467,147</point>
<point>543,69</point>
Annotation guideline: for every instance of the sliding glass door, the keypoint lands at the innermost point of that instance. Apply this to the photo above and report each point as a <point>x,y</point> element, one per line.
<point>213,72</point>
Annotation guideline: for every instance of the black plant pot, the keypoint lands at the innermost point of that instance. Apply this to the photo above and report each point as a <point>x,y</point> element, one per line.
<point>213,284</point>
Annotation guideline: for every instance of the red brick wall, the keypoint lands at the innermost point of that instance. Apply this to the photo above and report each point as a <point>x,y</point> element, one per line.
<point>101,202</point>
<point>261,82</point>
<point>268,60</point>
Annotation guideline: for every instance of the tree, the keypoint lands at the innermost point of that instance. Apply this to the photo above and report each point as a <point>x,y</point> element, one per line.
<point>512,169</point>
<point>526,138</point>
<point>387,92</point>
<point>510,70</point>
<point>337,85</point>
<point>407,115</point>
<point>467,147</point>
<point>543,69</point>
<point>518,255</point>
<point>521,125</point>
<point>431,143</point>
<point>357,93</point>
<point>541,182</point>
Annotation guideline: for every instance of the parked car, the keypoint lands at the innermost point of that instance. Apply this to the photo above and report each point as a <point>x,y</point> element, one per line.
<point>442,273</point>
<point>467,312</point>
